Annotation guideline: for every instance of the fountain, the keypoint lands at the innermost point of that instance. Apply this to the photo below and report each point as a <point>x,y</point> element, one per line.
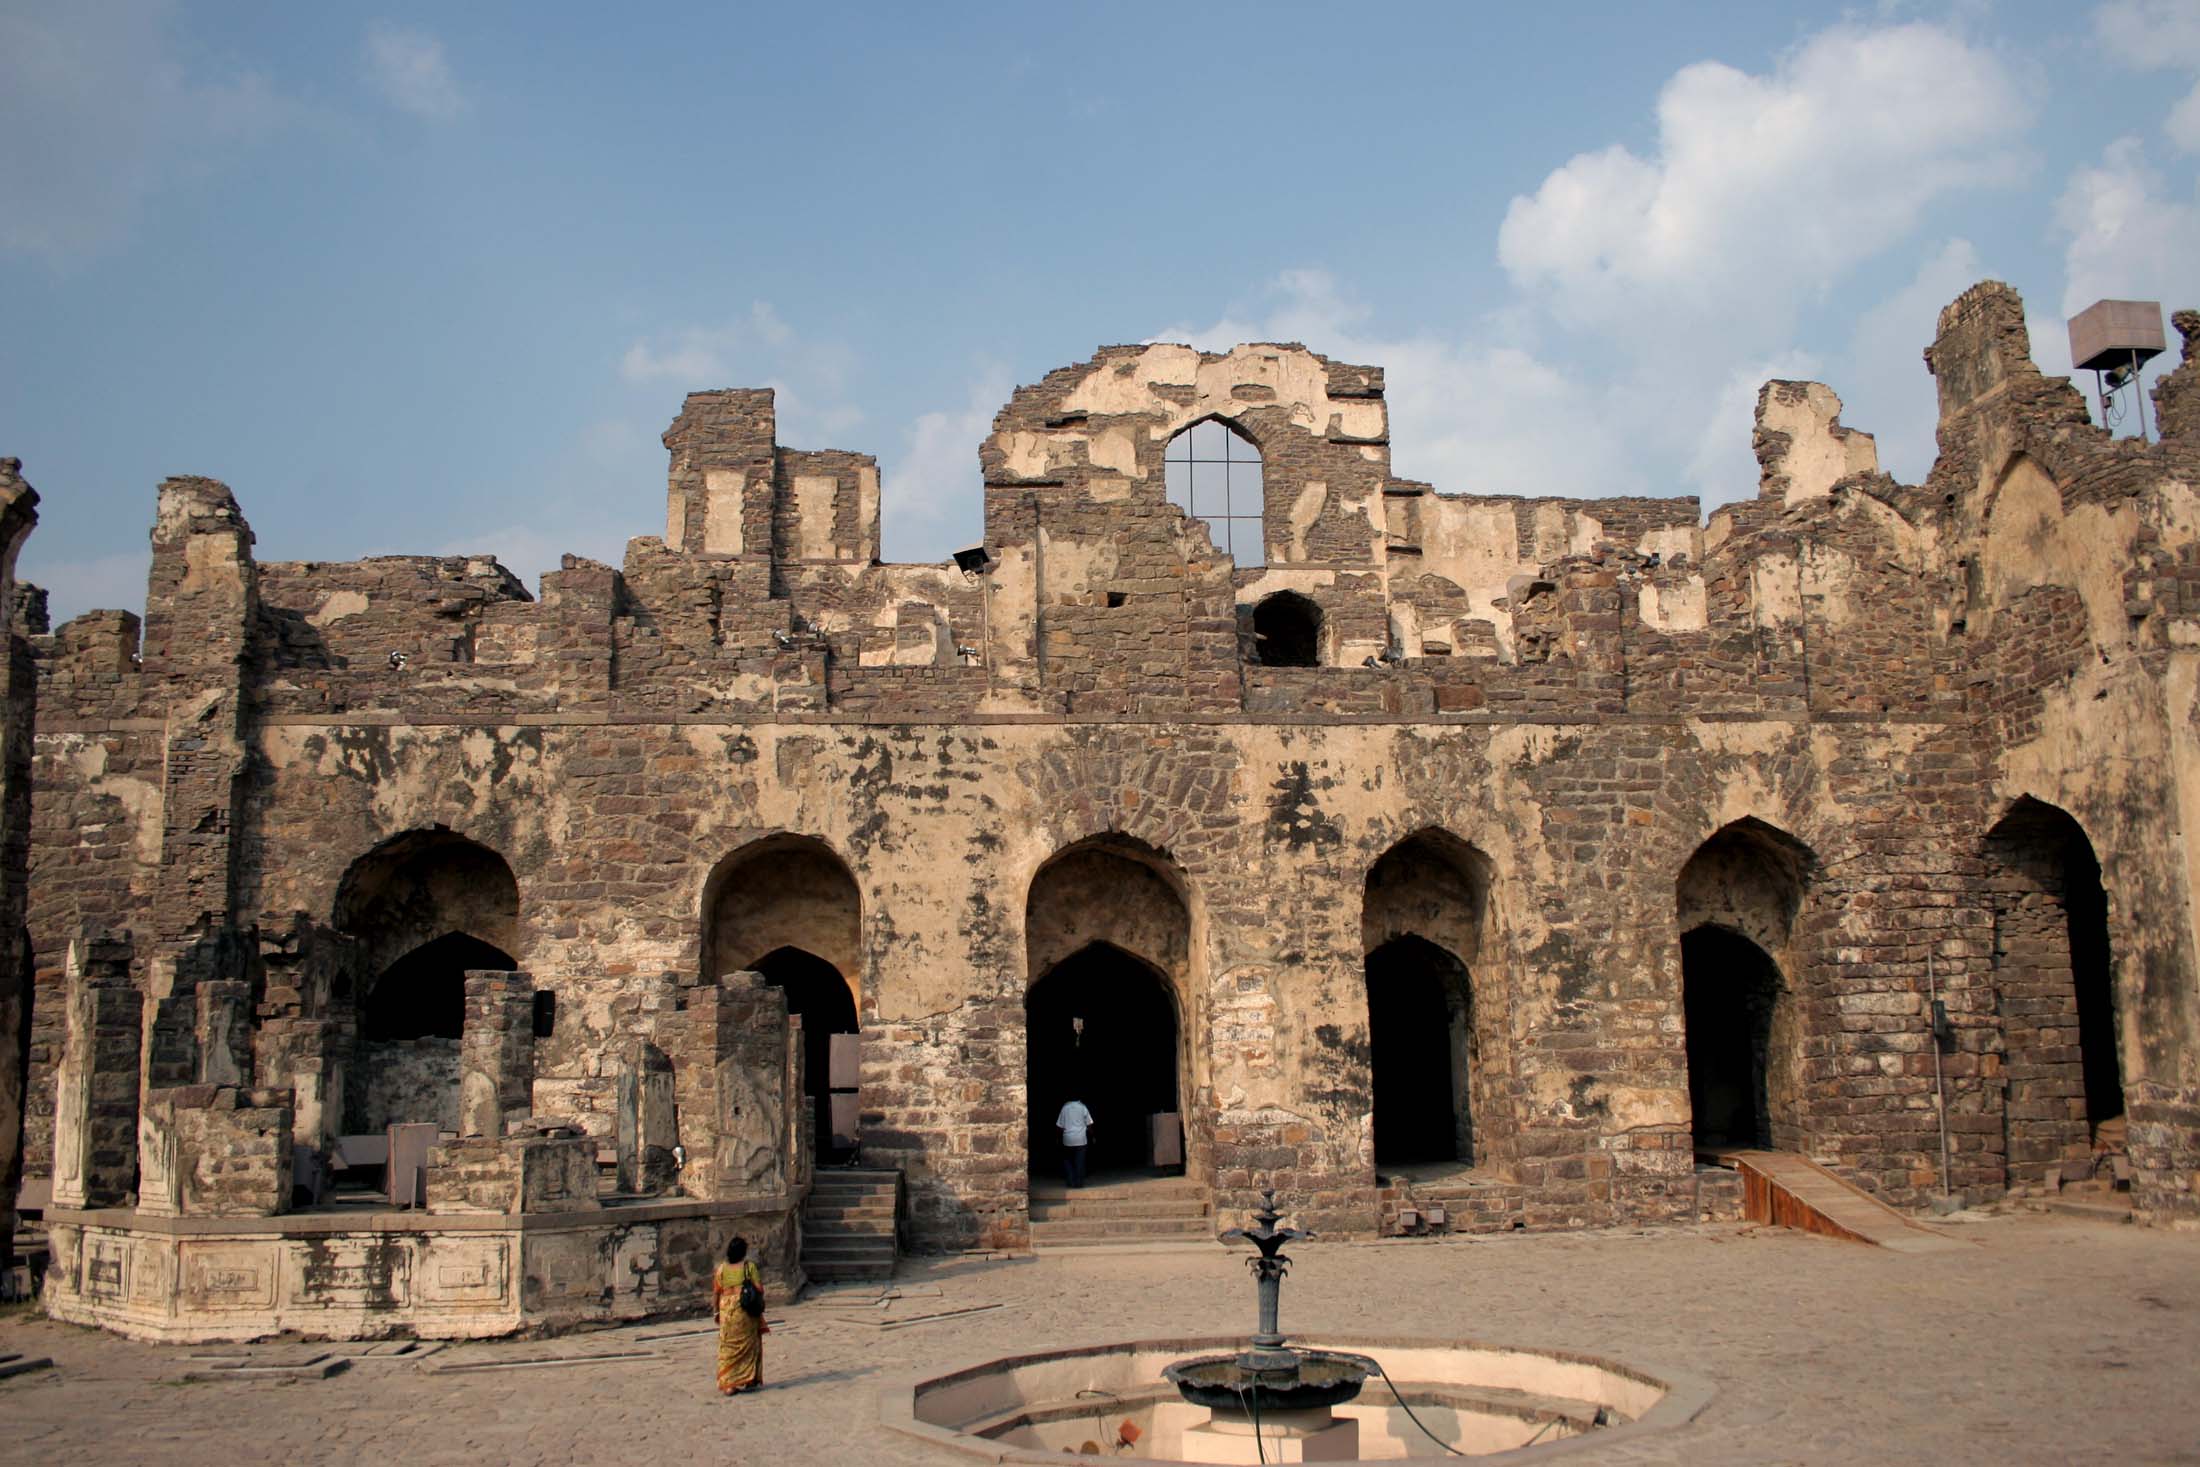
<point>1268,1395</point>
<point>1223,1399</point>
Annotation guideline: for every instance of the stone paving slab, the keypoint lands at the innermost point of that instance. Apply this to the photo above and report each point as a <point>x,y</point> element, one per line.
<point>2050,1340</point>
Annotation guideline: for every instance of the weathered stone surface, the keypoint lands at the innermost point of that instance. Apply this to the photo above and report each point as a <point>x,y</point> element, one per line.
<point>1850,725</point>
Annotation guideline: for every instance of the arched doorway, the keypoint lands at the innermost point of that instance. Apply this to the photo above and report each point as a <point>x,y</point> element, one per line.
<point>1419,1041</point>
<point>821,998</point>
<point>2054,978</point>
<point>787,907</point>
<point>426,907</point>
<point>1421,917</point>
<point>1737,900</point>
<point>1101,1027</point>
<point>1107,933</point>
<point>1729,988</point>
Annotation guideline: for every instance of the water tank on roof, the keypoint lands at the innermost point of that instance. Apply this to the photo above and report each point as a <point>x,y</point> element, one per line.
<point>2113,340</point>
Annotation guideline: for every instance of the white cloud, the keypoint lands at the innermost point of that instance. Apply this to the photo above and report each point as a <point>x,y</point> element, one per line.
<point>98,112</point>
<point>932,495</point>
<point>411,72</point>
<point>1473,417</point>
<point>1764,190</point>
<point>1884,387</point>
<point>102,582</point>
<point>2130,233</point>
<point>807,377</point>
<point>2155,35</point>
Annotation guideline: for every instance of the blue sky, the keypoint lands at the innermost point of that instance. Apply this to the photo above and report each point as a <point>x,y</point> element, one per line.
<point>418,278</point>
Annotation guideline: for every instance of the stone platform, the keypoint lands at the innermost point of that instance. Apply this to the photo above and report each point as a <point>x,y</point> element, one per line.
<point>358,1273</point>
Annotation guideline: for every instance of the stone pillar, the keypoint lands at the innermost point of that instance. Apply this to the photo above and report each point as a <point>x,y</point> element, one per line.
<point>537,1169</point>
<point>214,1151</point>
<point>728,1050</point>
<point>96,1104</point>
<point>496,1053</point>
<point>224,1032</point>
<point>647,1121</point>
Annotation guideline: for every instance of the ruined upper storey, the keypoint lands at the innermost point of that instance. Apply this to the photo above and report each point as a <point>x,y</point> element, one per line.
<point>1173,533</point>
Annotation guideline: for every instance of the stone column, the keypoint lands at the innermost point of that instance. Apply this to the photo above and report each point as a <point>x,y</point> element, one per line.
<point>647,1120</point>
<point>728,1050</point>
<point>96,1105</point>
<point>224,1032</point>
<point>496,1053</point>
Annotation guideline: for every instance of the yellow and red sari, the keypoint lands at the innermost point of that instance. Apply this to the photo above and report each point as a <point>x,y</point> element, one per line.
<point>740,1335</point>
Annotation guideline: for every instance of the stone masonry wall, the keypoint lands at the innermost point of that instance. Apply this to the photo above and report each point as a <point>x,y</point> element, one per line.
<point>1578,695</point>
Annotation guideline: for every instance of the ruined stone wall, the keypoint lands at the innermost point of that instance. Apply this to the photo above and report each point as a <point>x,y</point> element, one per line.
<point>18,993</point>
<point>1579,694</point>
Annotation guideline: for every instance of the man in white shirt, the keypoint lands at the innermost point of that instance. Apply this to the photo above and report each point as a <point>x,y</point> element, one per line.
<point>1074,1123</point>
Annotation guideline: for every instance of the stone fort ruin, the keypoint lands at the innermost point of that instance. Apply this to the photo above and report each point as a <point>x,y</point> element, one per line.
<point>1394,848</point>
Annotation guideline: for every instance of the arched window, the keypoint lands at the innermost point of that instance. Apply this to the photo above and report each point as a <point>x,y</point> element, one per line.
<point>1287,631</point>
<point>1215,475</point>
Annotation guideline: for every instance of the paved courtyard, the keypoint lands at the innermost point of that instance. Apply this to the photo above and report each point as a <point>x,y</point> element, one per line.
<point>2052,1340</point>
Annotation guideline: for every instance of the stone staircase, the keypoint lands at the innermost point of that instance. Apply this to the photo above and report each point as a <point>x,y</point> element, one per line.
<point>848,1229</point>
<point>1164,1210</point>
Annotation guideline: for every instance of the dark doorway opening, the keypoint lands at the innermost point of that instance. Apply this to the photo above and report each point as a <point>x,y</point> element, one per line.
<point>1729,987</point>
<point>1287,631</point>
<point>1122,1063</point>
<point>423,994</point>
<point>2090,971</point>
<point>815,990</point>
<point>1417,1021</point>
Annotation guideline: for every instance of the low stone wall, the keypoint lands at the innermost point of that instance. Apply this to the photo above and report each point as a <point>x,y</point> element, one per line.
<point>377,1275</point>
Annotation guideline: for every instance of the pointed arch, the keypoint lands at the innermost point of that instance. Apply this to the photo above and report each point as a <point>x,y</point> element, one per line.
<point>2054,980</point>
<point>426,907</point>
<point>1736,900</point>
<point>1214,472</point>
<point>1421,916</point>
<point>1287,631</point>
<point>1107,1003</point>
<point>788,907</point>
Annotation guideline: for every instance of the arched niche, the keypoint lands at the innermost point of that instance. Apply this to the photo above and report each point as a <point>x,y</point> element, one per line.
<point>1108,948</point>
<point>2054,982</point>
<point>1737,899</point>
<point>1287,631</point>
<point>426,907</point>
<point>1421,918</point>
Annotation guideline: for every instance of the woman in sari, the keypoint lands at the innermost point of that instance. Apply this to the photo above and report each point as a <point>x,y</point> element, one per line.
<point>740,1333</point>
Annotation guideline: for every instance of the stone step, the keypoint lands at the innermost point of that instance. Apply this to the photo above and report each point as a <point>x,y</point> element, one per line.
<point>812,1237</point>
<point>846,1248</point>
<point>1100,1207</point>
<point>1117,1230</point>
<point>1158,1187</point>
<point>881,1228</point>
<point>834,1273</point>
<point>2110,1208</point>
<point>815,1210</point>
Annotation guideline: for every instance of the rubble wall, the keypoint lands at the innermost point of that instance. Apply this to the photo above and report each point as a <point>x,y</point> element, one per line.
<point>1579,694</point>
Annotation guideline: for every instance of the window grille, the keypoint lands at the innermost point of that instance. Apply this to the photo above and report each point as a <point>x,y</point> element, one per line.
<point>1214,475</point>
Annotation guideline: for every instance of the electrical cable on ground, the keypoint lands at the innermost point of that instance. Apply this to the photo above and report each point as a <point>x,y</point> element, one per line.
<point>1401,1400</point>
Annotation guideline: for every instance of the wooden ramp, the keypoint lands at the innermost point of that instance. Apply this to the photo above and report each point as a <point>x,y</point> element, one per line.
<point>1794,1192</point>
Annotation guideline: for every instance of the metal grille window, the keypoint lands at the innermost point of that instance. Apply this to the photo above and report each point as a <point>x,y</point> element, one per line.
<point>1214,475</point>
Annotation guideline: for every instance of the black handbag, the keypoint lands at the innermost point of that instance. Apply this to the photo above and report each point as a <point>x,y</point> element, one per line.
<point>752,1299</point>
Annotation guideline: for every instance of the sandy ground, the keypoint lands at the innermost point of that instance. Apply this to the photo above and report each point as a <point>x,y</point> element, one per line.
<point>2052,1340</point>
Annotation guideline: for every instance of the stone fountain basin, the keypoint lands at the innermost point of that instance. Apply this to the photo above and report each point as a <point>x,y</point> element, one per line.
<point>1482,1398</point>
<point>1218,1382</point>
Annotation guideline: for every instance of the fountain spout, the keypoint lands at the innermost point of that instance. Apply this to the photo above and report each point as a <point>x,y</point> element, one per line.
<point>1268,1269</point>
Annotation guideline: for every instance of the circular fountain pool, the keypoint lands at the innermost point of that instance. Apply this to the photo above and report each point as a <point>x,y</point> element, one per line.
<point>1477,1399</point>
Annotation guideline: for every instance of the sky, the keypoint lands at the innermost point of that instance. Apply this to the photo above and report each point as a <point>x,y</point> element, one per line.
<point>434,278</point>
